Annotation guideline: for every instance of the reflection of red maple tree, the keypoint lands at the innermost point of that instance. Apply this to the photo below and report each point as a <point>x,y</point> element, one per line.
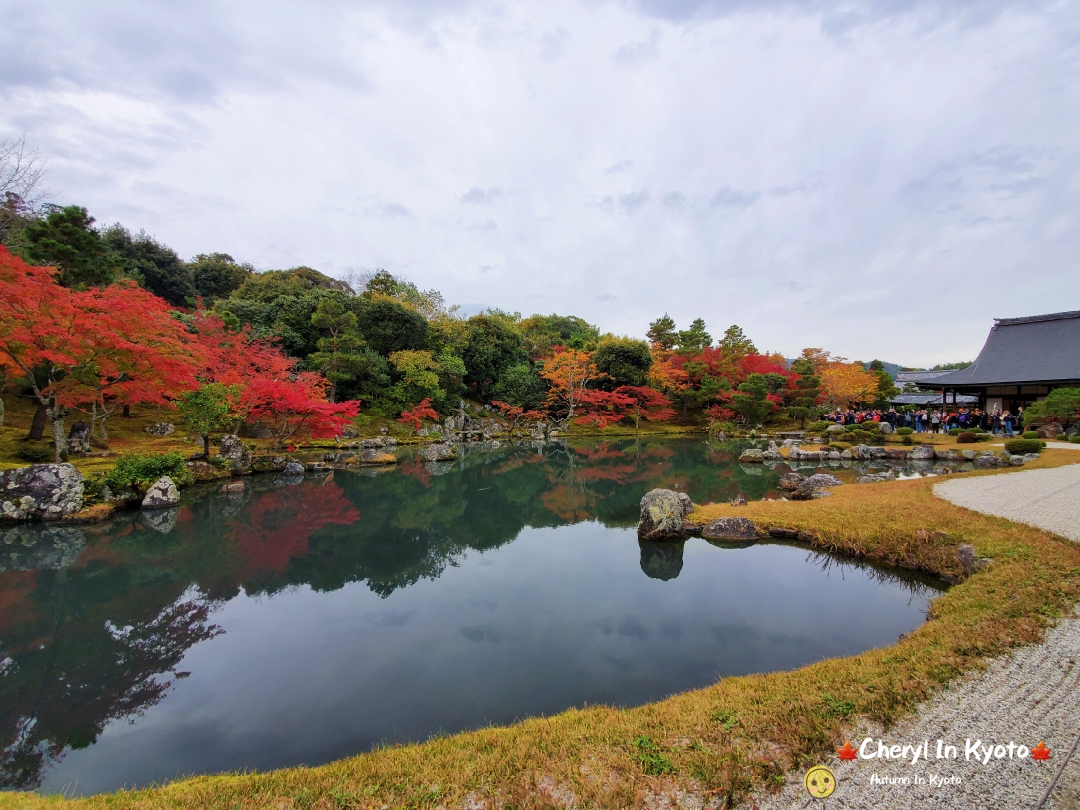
<point>414,468</point>
<point>281,522</point>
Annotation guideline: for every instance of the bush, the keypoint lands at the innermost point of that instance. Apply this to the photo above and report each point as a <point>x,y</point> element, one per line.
<point>955,431</point>
<point>904,431</point>
<point>966,437</point>
<point>1061,437</point>
<point>1029,434</point>
<point>36,452</point>
<point>1075,439</point>
<point>840,446</point>
<point>1019,447</point>
<point>139,472</point>
<point>817,427</point>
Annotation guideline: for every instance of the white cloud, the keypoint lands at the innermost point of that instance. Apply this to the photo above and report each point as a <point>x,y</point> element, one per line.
<point>888,161</point>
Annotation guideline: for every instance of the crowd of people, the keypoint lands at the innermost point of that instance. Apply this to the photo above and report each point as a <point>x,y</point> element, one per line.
<point>931,420</point>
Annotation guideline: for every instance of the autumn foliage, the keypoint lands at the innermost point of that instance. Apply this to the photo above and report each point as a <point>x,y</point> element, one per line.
<point>414,417</point>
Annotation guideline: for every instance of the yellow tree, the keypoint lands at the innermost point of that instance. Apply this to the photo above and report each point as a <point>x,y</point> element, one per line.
<point>846,383</point>
<point>569,372</point>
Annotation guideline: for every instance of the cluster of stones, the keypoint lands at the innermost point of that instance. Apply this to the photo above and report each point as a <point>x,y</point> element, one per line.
<point>666,514</point>
<point>984,459</point>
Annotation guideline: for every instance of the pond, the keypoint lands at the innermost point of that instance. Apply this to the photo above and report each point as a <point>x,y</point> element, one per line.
<point>300,622</point>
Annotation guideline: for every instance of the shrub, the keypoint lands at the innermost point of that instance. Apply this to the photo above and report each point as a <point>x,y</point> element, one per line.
<point>955,431</point>
<point>817,427</point>
<point>967,437</point>
<point>1029,434</point>
<point>139,472</point>
<point>904,431</point>
<point>1061,437</point>
<point>1075,439</point>
<point>1021,446</point>
<point>840,446</point>
<point>35,452</point>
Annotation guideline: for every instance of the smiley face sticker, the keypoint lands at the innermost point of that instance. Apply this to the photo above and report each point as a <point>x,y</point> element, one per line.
<point>820,782</point>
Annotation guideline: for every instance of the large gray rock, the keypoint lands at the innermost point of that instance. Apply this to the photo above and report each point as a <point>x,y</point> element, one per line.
<point>40,491</point>
<point>230,447</point>
<point>372,444</point>
<point>160,429</point>
<point>661,515</point>
<point>437,452</point>
<point>986,461</point>
<point>751,455</point>
<point>885,427</point>
<point>947,455</point>
<point>822,480</point>
<point>730,528</point>
<point>687,504</point>
<point>833,430</point>
<point>162,493</point>
<point>294,469</point>
<point>773,453</point>
<point>921,452</point>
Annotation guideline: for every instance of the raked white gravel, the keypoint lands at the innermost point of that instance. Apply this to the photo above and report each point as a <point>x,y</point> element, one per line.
<point>1047,499</point>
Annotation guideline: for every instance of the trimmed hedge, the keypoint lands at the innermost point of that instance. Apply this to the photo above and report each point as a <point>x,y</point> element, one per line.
<point>967,437</point>
<point>1018,447</point>
<point>1029,434</point>
<point>904,431</point>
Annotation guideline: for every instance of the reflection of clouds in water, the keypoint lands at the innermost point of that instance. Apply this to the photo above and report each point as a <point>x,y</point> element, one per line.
<point>632,627</point>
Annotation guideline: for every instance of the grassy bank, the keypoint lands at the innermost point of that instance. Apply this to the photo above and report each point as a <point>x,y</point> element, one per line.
<point>726,740</point>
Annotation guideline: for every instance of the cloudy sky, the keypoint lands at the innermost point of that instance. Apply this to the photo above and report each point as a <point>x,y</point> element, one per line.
<point>879,178</point>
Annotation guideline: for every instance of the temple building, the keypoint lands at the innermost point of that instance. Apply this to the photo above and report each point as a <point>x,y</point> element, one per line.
<point>1022,360</point>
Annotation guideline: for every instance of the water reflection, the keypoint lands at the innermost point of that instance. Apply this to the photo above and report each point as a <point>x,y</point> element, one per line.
<point>95,620</point>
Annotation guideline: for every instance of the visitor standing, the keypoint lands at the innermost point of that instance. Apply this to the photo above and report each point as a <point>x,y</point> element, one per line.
<point>935,421</point>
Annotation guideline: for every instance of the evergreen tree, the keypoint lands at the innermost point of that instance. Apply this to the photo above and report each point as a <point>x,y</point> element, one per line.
<point>662,333</point>
<point>735,343</point>
<point>66,239</point>
<point>694,339</point>
<point>340,356</point>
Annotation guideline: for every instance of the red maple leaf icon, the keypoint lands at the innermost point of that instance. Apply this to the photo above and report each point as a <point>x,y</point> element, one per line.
<point>847,752</point>
<point>1040,752</point>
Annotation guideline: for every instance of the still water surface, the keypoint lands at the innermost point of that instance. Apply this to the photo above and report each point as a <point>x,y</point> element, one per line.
<point>302,622</point>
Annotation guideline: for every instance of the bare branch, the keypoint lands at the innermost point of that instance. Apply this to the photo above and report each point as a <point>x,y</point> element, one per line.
<point>22,170</point>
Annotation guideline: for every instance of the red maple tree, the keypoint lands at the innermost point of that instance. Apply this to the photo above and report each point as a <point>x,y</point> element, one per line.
<point>415,416</point>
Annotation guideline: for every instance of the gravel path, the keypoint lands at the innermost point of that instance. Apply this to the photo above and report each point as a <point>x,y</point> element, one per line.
<point>1025,697</point>
<point>1048,499</point>
<point>1030,695</point>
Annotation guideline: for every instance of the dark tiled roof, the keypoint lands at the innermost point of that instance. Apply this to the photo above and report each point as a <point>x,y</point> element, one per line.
<point>1039,349</point>
<point>932,399</point>
<point>919,376</point>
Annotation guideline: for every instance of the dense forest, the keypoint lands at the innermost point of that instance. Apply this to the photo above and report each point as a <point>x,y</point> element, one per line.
<point>97,318</point>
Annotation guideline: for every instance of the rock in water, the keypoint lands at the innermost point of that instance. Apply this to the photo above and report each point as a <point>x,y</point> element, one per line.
<point>294,469</point>
<point>377,457</point>
<point>42,491</point>
<point>661,515</point>
<point>687,504</point>
<point>751,455</point>
<point>730,528</point>
<point>162,493</point>
<point>239,457</point>
<point>437,452</point>
<point>661,560</point>
<point>922,452</point>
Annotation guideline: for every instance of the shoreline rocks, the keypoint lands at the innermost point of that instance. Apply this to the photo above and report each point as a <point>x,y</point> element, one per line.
<point>40,491</point>
<point>161,494</point>
<point>662,513</point>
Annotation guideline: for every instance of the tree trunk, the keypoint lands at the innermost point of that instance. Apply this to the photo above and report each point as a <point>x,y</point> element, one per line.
<point>37,427</point>
<point>93,418</point>
<point>127,412</point>
<point>685,405</point>
<point>206,445</point>
<point>56,417</point>
<point>1,411</point>
<point>333,392</point>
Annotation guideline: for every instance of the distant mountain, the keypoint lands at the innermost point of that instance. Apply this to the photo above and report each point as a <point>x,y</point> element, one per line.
<point>892,368</point>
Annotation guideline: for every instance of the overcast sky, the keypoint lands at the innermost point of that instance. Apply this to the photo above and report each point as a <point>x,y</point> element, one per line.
<point>879,178</point>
